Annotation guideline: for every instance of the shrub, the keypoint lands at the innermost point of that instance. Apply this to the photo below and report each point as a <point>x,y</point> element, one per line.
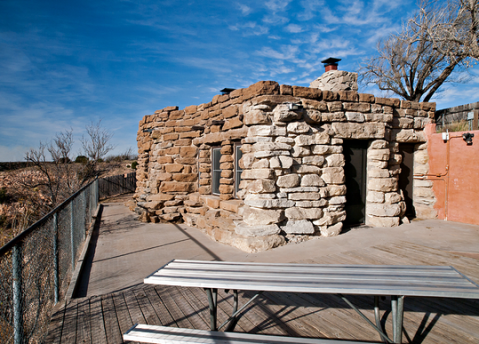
<point>81,159</point>
<point>133,165</point>
<point>3,195</point>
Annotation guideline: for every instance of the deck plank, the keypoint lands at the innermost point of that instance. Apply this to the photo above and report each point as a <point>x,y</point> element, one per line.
<point>97,320</point>
<point>431,320</point>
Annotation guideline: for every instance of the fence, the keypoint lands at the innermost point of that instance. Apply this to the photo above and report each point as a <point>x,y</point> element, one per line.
<point>117,185</point>
<point>37,265</point>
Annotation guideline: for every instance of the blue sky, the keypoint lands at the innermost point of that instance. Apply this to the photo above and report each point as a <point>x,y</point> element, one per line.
<point>65,64</point>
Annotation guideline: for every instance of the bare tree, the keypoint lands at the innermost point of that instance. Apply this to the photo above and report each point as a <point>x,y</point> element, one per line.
<point>409,64</point>
<point>56,178</point>
<point>451,27</point>
<point>97,144</point>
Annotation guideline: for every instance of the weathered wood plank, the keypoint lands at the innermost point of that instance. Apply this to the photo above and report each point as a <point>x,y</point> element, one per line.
<point>83,322</point>
<point>112,327</point>
<point>98,331</point>
<point>56,327</point>
<point>163,315</point>
<point>70,323</point>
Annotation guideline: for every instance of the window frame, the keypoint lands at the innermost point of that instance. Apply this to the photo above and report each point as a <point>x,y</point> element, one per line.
<point>215,171</point>
<point>237,168</point>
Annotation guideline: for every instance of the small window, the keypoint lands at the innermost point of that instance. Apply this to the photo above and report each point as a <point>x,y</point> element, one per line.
<point>238,169</point>
<point>215,170</point>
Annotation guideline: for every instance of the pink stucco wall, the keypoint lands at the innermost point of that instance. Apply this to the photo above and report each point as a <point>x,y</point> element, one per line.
<point>454,168</point>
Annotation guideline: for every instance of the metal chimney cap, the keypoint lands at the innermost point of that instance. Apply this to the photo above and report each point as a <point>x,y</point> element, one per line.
<point>227,90</point>
<point>331,61</point>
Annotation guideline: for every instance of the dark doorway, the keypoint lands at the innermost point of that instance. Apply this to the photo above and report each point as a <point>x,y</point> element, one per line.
<point>406,177</point>
<point>355,152</point>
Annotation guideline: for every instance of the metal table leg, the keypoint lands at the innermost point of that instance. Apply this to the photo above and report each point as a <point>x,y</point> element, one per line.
<point>397,309</point>
<point>212,301</point>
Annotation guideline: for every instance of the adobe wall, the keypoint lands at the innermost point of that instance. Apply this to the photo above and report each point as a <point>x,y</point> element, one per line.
<point>293,182</point>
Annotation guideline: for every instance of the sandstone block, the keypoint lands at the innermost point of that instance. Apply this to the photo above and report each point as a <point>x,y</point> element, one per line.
<point>333,175</point>
<point>185,177</point>
<point>335,160</point>
<point>160,197</point>
<point>383,210</point>
<point>320,138</point>
<point>299,151</point>
<point>354,116</point>
<point>266,130</point>
<point>270,146</point>
<point>379,154</point>
<point>336,190</point>
<point>382,184</point>
<point>260,164</point>
<point>303,169</point>
<point>330,231</point>
<point>359,130</point>
<point>303,140</point>
<point>261,186</point>
<point>254,117</point>
<point>226,189</point>
<point>313,160</point>
<point>393,197</point>
<point>425,212</point>
<point>408,135</point>
<point>255,216</point>
<point>282,113</point>
<point>375,197</point>
<point>288,181</point>
<point>383,221</point>
<point>298,227</point>
<point>298,128</point>
<point>337,200</point>
<point>295,213</point>
<point>176,187</point>
<point>233,123</point>
<point>258,174</point>
<point>269,203</point>
<point>306,92</point>
<point>304,196</point>
<point>378,173</point>
<point>312,180</point>
<point>252,231</point>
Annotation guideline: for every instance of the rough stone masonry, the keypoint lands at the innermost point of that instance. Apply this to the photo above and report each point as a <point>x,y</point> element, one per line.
<point>292,184</point>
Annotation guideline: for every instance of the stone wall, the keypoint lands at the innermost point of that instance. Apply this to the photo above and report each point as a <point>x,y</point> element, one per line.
<point>336,80</point>
<point>293,181</point>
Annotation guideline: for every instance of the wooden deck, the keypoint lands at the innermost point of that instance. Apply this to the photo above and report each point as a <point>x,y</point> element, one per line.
<point>103,319</point>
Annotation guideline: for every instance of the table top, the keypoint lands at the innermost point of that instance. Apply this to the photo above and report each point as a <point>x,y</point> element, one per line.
<point>401,280</point>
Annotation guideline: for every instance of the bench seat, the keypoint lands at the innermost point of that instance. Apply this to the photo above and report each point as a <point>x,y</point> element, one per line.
<point>173,335</point>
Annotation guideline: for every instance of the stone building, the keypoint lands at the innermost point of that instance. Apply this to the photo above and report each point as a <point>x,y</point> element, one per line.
<point>269,164</point>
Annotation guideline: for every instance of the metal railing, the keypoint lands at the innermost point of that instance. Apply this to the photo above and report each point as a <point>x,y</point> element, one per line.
<point>37,265</point>
<point>116,185</point>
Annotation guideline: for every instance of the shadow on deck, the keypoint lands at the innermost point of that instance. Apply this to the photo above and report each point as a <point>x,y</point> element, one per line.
<point>114,297</point>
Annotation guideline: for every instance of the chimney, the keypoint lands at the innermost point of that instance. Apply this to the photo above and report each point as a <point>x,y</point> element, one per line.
<point>330,64</point>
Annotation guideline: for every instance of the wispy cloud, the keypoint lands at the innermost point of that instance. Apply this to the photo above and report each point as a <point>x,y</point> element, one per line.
<point>294,28</point>
<point>287,52</point>
<point>311,9</point>
<point>277,5</point>
<point>250,29</point>
<point>245,10</point>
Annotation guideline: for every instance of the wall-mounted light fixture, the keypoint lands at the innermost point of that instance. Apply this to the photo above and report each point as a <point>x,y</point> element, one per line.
<point>468,138</point>
<point>295,106</point>
<point>445,136</point>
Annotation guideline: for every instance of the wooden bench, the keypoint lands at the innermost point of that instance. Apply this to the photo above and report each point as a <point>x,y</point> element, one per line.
<point>396,281</point>
<point>174,335</point>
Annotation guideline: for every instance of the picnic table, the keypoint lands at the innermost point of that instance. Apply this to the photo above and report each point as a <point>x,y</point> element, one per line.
<point>395,281</point>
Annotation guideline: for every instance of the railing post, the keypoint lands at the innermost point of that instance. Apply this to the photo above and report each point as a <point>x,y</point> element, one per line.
<point>17,294</point>
<point>55,258</point>
<point>72,234</point>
